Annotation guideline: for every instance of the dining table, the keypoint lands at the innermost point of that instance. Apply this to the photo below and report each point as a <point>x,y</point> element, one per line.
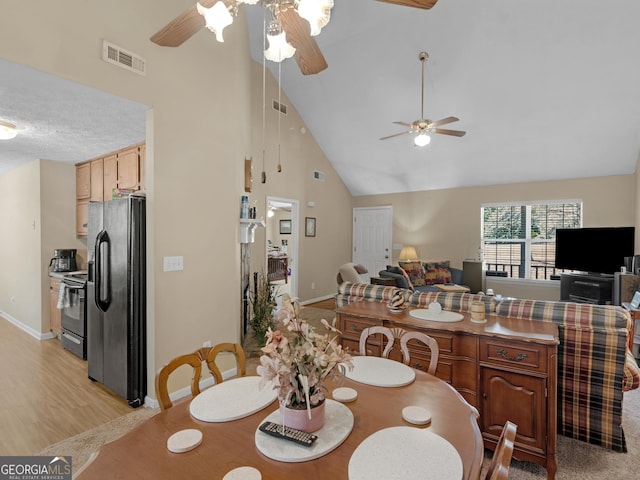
<point>235,444</point>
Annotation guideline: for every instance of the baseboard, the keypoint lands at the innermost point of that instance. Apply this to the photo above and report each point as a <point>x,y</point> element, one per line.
<point>26,328</point>
<point>318,299</point>
<point>150,402</point>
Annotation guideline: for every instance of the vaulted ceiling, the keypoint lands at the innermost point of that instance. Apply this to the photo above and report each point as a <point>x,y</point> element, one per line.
<point>545,90</point>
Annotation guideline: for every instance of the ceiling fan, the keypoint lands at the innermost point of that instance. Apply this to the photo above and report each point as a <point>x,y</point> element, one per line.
<point>284,12</point>
<point>308,56</point>
<point>423,127</point>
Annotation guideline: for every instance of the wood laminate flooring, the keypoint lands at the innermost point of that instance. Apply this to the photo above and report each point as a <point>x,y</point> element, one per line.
<point>46,395</point>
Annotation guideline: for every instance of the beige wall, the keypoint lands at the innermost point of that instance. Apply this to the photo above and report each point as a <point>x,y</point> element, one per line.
<point>37,209</point>
<point>319,256</point>
<point>445,224</point>
<point>205,119</point>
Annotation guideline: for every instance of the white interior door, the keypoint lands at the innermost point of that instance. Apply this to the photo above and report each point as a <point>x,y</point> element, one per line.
<point>372,237</point>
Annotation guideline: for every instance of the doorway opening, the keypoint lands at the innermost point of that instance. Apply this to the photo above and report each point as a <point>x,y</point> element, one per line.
<point>282,242</point>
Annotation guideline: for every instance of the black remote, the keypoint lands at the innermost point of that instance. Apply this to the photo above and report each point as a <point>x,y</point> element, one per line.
<point>298,436</point>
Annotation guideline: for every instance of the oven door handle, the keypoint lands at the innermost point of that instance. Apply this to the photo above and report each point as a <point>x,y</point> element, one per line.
<point>103,276</point>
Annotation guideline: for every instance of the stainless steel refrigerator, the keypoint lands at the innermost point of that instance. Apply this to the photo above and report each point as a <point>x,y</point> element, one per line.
<point>116,297</point>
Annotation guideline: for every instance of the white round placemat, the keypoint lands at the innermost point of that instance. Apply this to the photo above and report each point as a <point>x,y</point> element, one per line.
<point>231,400</point>
<point>184,440</point>
<point>344,394</point>
<point>416,415</point>
<point>405,453</point>
<point>243,473</point>
<point>443,316</point>
<point>338,423</point>
<point>380,372</point>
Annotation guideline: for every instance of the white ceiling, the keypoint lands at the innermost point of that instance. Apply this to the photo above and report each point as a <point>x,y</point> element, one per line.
<point>545,89</point>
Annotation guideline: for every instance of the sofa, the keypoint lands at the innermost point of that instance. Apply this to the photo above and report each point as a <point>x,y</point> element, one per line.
<point>422,276</point>
<point>595,365</point>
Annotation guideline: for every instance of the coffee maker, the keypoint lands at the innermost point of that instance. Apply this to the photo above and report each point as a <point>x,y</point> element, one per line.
<point>64,260</point>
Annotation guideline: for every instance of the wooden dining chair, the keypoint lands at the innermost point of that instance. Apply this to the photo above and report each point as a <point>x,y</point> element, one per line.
<point>501,460</point>
<point>428,341</point>
<point>404,336</point>
<point>195,359</point>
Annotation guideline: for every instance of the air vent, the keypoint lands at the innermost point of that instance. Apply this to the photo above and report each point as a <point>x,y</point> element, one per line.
<point>280,107</point>
<point>320,176</point>
<point>119,56</point>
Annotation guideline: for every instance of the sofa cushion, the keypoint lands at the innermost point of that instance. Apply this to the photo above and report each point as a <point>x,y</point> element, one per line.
<point>437,272</point>
<point>594,366</point>
<point>354,292</point>
<point>455,302</point>
<point>415,270</point>
<point>402,281</point>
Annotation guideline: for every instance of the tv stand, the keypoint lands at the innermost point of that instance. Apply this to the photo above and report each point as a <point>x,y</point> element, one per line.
<point>587,288</point>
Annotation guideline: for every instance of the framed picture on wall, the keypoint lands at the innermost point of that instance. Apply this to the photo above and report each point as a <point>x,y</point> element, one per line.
<point>309,227</point>
<point>285,227</point>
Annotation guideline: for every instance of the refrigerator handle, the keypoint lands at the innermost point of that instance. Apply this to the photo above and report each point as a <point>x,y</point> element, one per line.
<point>103,277</point>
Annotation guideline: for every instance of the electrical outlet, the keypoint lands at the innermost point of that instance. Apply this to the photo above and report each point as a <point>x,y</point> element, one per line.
<point>207,343</point>
<point>13,299</point>
<point>313,285</point>
<point>173,264</point>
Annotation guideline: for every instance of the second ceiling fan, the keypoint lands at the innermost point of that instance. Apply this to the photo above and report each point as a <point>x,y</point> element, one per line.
<point>423,126</point>
<point>285,14</point>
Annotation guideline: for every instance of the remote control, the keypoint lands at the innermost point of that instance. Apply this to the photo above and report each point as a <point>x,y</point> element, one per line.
<point>298,436</point>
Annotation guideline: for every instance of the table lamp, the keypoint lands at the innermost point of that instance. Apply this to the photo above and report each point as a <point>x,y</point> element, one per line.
<point>408,253</point>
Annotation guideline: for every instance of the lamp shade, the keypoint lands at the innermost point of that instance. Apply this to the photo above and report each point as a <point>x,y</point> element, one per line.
<point>408,253</point>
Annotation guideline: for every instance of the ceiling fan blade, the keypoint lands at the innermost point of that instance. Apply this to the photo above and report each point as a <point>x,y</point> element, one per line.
<point>444,121</point>
<point>404,124</point>
<point>308,55</point>
<point>444,131</point>
<point>396,135</point>
<point>182,28</point>
<point>426,4</point>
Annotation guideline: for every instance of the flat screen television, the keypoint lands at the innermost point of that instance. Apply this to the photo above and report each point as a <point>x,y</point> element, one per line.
<point>594,250</point>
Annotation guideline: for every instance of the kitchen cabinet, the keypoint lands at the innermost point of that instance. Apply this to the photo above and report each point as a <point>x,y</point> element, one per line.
<point>55,319</point>
<point>83,181</point>
<point>110,176</point>
<point>96,179</point>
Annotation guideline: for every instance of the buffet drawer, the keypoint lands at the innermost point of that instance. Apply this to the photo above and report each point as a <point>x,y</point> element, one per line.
<point>523,355</point>
<point>351,327</point>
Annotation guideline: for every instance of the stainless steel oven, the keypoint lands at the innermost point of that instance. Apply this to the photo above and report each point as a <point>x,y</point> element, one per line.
<point>74,314</point>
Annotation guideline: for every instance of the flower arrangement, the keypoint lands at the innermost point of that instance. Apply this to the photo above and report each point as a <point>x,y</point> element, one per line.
<point>298,367</point>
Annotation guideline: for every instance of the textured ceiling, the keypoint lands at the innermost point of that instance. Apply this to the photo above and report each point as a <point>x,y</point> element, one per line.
<point>62,120</point>
<point>545,90</point>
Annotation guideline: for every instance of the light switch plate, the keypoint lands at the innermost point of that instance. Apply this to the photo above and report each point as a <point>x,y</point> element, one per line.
<point>173,264</point>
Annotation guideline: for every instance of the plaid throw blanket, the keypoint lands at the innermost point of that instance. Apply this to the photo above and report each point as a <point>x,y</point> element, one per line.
<point>595,366</point>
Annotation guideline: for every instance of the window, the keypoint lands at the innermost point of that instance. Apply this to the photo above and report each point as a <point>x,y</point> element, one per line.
<point>520,238</point>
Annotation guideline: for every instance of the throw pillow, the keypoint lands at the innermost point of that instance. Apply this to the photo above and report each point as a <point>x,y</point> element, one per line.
<point>415,270</point>
<point>437,272</point>
<point>406,277</point>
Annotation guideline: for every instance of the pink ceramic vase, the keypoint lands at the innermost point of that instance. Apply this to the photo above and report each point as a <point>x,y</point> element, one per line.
<point>299,419</point>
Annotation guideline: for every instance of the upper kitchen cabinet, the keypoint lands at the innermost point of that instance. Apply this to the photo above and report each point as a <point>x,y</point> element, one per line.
<point>97,179</point>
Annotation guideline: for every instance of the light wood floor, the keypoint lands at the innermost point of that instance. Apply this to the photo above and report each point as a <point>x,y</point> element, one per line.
<point>45,395</point>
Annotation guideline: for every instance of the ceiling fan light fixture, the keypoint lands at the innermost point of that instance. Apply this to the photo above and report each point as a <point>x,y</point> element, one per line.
<point>7,130</point>
<point>316,12</point>
<point>422,140</point>
<point>279,49</point>
<point>216,18</point>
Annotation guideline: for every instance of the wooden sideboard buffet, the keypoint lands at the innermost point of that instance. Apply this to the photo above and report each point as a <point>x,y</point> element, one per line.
<point>506,368</point>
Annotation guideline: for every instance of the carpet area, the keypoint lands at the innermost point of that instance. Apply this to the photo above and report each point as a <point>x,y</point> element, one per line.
<point>576,459</point>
